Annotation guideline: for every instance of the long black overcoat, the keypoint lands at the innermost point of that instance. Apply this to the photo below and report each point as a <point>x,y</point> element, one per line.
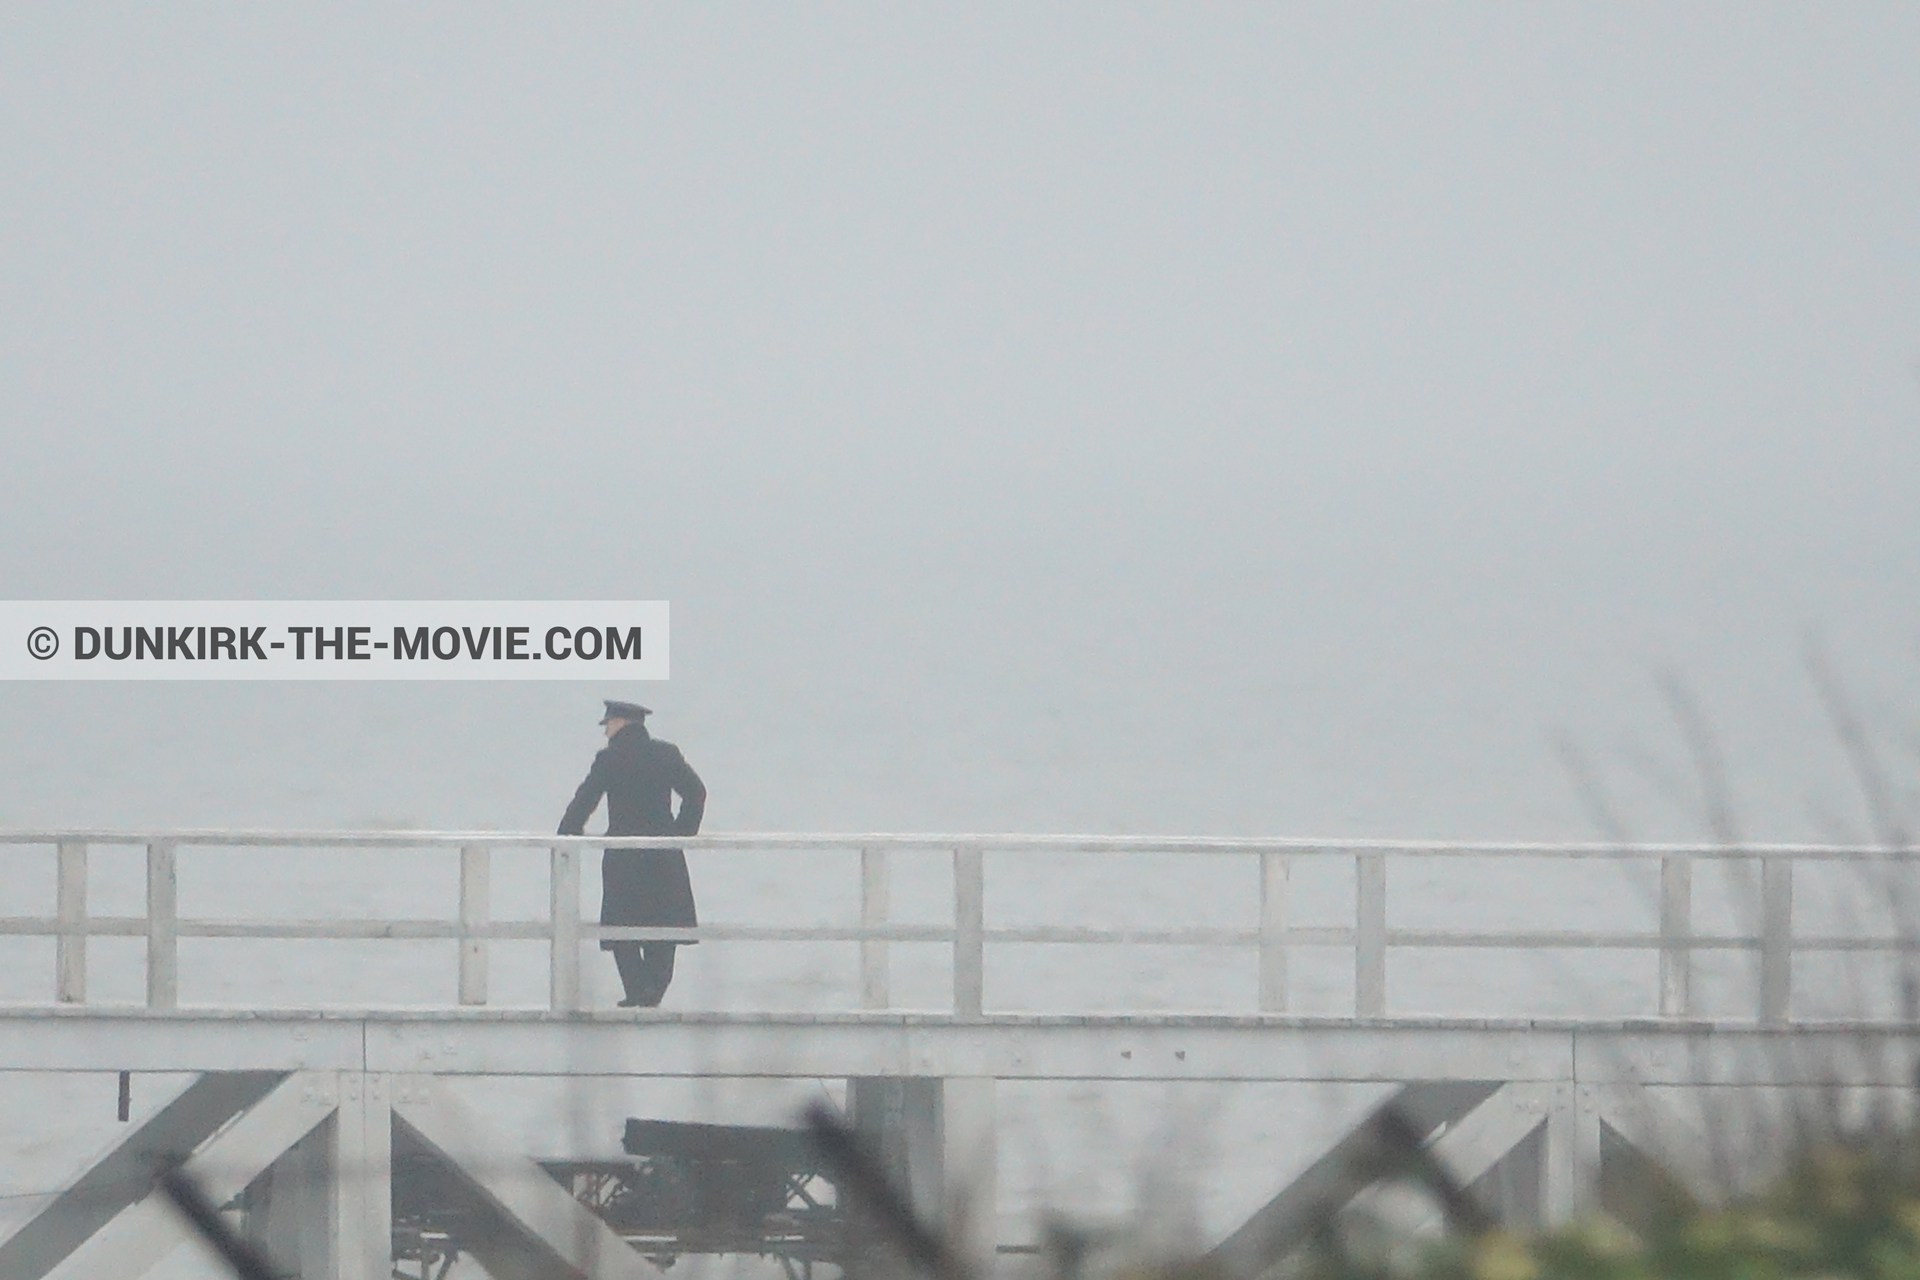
<point>639,775</point>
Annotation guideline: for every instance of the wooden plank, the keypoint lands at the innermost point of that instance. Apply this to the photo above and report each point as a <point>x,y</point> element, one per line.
<point>124,1172</point>
<point>1295,936</point>
<point>1194,936</point>
<point>768,933</point>
<point>52,926</point>
<point>1370,935</point>
<point>1199,936</point>
<point>1776,939</point>
<point>1469,1148</point>
<point>876,911</point>
<point>1484,1136</point>
<point>287,1211</point>
<point>787,841</point>
<point>1661,1132</point>
<point>1570,1167</point>
<point>163,941</point>
<point>70,952</point>
<point>139,1237</point>
<point>970,1164</point>
<point>361,1213</point>
<point>1569,940</point>
<point>532,1042</point>
<point>969,941</point>
<point>1275,908</point>
<point>1337,1176</point>
<point>564,958</point>
<point>341,930</point>
<point>476,865</point>
<point>1676,925</point>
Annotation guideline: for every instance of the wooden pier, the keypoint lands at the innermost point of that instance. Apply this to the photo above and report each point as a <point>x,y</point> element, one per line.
<point>297,1113</point>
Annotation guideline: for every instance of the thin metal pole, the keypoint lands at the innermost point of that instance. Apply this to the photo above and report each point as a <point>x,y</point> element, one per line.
<point>876,911</point>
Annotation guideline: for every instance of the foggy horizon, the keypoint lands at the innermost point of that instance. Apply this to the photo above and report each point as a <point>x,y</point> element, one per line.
<point>1243,421</point>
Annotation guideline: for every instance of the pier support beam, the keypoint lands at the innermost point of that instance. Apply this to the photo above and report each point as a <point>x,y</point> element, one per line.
<point>307,1154</point>
<point>526,1225</point>
<point>139,1236</point>
<point>360,1213</point>
<point>970,1153</point>
<point>125,1174</point>
<point>1345,1170</point>
<point>288,1208</point>
<point>936,1140</point>
<point>325,1208</point>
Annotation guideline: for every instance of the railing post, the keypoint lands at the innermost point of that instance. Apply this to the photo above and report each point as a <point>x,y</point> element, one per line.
<point>969,933</point>
<point>1676,929</point>
<point>1776,938</point>
<point>476,865</point>
<point>163,929</point>
<point>564,965</point>
<point>1274,910</point>
<point>70,950</point>
<point>876,912</point>
<point>1370,935</point>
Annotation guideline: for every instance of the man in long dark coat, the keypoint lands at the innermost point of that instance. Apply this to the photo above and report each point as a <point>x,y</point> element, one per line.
<point>639,775</point>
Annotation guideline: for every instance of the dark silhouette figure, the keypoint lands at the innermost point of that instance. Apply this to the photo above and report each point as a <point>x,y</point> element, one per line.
<point>639,775</point>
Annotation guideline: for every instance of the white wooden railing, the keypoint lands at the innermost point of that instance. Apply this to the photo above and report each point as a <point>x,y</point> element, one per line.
<point>968,933</point>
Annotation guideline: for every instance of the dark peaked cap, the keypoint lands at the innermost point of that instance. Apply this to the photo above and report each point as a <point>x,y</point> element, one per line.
<point>625,711</point>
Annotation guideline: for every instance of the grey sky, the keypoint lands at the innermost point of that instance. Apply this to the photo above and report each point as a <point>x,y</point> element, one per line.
<point>1240,418</point>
